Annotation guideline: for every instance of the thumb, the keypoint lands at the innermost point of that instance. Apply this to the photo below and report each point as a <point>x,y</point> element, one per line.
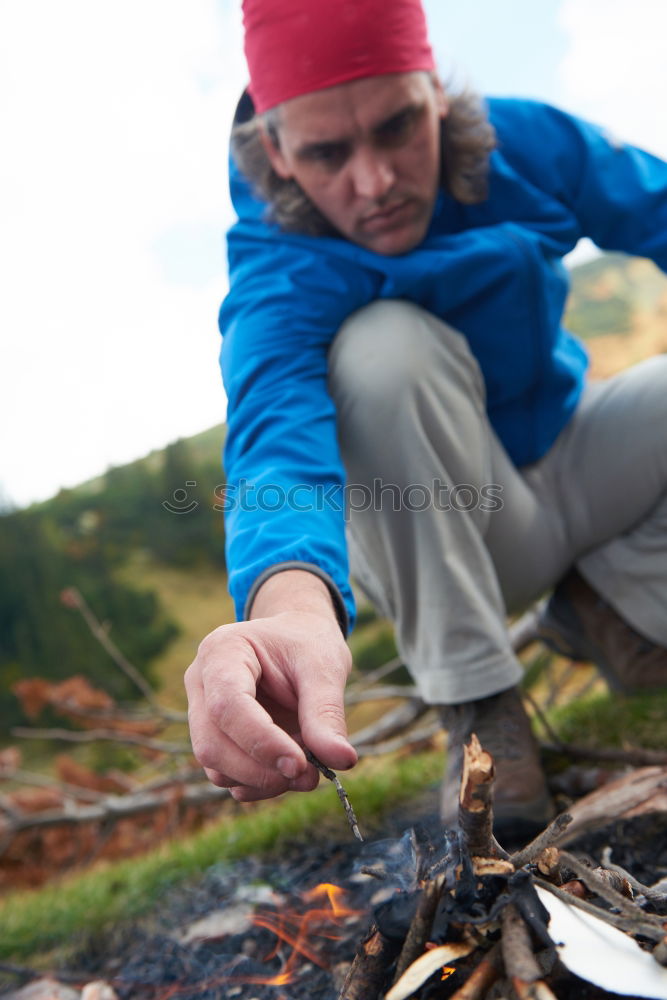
<point>322,721</point>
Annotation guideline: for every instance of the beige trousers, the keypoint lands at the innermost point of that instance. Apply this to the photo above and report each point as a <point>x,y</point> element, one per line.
<point>447,536</point>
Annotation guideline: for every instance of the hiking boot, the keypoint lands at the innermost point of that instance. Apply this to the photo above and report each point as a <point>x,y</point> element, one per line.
<point>521,802</point>
<point>578,623</point>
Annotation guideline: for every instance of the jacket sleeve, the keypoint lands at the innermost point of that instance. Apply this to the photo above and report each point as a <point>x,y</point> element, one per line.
<point>284,501</point>
<point>616,192</point>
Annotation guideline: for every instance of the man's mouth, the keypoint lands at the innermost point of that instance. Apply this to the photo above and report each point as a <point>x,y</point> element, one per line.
<point>387,218</point>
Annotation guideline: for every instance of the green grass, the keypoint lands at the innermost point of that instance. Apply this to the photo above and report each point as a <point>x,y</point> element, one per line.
<point>613,721</point>
<point>44,926</point>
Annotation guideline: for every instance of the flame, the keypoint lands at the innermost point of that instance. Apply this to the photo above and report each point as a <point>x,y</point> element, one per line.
<point>301,930</point>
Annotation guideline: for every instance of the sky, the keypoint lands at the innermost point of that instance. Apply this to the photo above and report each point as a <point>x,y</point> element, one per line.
<point>114,121</point>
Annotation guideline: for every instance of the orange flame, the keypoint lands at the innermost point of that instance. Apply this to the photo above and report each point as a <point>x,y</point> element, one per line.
<point>300,931</point>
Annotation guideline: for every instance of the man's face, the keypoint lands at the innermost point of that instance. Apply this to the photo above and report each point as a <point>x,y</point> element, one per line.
<point>367,154</point>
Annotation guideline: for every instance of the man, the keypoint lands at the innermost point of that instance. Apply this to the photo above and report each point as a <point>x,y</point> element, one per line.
<point>394,318</point>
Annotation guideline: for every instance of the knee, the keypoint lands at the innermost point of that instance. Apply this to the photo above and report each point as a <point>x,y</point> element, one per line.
<point>388,350</point>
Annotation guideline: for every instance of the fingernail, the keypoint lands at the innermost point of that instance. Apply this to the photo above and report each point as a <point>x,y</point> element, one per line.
<point>287,766</point>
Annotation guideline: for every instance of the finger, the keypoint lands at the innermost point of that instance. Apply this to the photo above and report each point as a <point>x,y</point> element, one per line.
<point>304,783</point>
<point>322,718</point>
<point>232,706</point>
<point>220,756</point>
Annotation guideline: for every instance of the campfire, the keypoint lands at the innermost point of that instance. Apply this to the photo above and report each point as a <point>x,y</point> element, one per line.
<point>450,914</point>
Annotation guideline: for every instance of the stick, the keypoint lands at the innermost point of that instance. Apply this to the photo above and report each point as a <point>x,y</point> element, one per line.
<point>638,756</point>
<point>482,978</point>
<point>600,886</point>
<point>342,794</point>
<point>422,735</point>
<point>520,962</point>
<point>420,928</point>
<point>73,598</point>
<point>475,803</point>
<point>92,735</point>
<point>368,971</point>
<point>391,723</point>
<point>545,839</point>
<point>631,926</point>
<point>654,895</point>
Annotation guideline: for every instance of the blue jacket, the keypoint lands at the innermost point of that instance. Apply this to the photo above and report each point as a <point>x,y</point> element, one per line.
<point>492,271</point>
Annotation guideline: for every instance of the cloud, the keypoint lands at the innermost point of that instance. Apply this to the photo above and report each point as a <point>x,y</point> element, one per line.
<point>115,121</point>
<point>614,70</point>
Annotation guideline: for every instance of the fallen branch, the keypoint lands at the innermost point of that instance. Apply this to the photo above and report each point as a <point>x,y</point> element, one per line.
<point>414,737</point>
<point>636,757</point>
<point>393,722</point>
<point>642,789</point>
<point>100,735</point>
<point>113,808</point>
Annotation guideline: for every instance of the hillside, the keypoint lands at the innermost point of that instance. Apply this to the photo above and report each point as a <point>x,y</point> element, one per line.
<point>618,305</point>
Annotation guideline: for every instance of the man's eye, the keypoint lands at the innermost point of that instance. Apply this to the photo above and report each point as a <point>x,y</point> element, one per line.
<point>328,156</point>
<point>397,128</point>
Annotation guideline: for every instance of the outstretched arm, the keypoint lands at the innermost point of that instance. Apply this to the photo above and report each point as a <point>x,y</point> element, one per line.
<point>261,690</point>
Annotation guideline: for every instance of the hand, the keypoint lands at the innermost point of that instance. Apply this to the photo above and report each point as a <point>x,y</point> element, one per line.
<point>261,690</point>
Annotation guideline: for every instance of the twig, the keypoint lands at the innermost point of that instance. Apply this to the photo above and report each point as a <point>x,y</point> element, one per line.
<point>634,925</point>
<point>548,728</point>
<point>92,735</point>
<point>602,888</point>
<point>638,756</point>
<point>545,839</point>
<point>381,693</point>
<point>482,977</point>
<point>524,630</point>
<point>342,794</point>
<point>396,721</point>
<point>73,598</point>
<point>649,892</point>
<point>41,781</point>
<point>378,674</point>
<point>421,925</point>
<point>421,735</point>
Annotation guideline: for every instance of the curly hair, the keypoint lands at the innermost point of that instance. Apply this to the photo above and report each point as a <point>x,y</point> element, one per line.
<point>467,141</point>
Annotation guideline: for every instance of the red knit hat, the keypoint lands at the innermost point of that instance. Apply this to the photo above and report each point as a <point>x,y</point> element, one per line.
<point>296,46</point>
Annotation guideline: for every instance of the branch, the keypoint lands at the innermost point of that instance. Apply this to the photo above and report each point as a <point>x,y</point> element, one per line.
<point>525,630</point>
<point>629,925</point>
<point>415,736</point>
<point>114,808</point>
<point>92,735</point>
<point>545,839</point>
<point>395,721</point>
<point>475,802</point>
<point>638,756</point>
<point>73,598</point>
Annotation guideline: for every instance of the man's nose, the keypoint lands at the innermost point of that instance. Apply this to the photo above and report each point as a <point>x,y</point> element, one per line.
<point>372,174</point>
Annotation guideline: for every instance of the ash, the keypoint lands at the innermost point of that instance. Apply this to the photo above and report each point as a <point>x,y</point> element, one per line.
<point>178,955</point>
